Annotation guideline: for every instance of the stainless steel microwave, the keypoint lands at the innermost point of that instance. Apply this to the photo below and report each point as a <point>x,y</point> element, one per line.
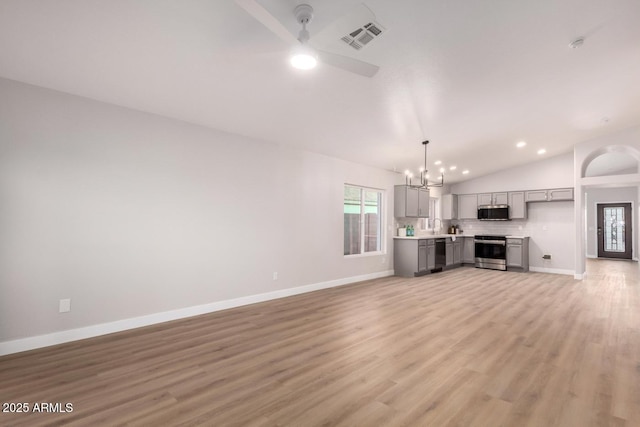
<point>493,213</point>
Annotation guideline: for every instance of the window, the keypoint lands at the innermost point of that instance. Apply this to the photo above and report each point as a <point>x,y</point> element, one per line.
<point>434,213</point>
<point>362,220</point>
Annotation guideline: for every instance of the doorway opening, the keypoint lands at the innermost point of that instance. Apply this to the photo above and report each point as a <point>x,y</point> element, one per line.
<point>614,230</point>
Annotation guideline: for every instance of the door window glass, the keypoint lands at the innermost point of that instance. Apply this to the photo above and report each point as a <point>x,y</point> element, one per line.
<point>614,229</point>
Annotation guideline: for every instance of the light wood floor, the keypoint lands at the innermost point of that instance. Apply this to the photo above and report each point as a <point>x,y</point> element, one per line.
<point>466,347</point>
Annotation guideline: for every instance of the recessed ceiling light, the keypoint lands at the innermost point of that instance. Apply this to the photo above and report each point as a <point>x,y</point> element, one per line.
<point>452,168</point>
<point>521,144</point>
<point>437,162</point>
<point>577,43</point>
<point>465,172</point>
<point>542,151</point>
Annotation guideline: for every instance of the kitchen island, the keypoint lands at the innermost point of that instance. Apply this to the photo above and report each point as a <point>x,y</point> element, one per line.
<point>418,255</point>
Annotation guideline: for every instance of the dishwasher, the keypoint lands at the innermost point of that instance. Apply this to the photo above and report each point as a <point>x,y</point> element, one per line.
<point>441,254</point>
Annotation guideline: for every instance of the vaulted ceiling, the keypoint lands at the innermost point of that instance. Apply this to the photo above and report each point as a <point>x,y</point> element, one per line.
<point>473,77</point>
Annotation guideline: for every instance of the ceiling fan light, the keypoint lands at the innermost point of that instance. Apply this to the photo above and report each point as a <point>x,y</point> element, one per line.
<point>303,58</point>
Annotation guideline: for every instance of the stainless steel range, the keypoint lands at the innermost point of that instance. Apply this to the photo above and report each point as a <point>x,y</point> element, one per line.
<point>491,252</point>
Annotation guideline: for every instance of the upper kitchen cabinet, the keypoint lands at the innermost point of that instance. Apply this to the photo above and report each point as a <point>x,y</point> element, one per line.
<point>492,199</point>
<point>560,194</point>
<point>557,194</point>
<point>467,206</point>
<point>536,196</point>
<point>517,205</point>
<point>449,206</point>
<point>411,202</point>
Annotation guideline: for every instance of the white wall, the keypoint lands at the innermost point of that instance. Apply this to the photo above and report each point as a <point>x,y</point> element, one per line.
<point>625,141</point>
<point>553,172</point>
<point>608,195</point>
<point>550,225</point>
<point>130,214</point>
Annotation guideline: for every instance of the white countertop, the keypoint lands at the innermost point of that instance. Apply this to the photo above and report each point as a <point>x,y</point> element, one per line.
<point>441,236</point>
<point>432,236</point>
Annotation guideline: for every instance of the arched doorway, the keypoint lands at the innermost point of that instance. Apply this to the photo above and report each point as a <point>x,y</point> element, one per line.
<point>608,184</point>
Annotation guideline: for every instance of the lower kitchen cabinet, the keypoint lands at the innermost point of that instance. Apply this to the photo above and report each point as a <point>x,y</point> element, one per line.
<point>416,257</point>
<point>457,251</point>
<point>469,251</point>
<point>518,253</point>
<point>422,256</point>
<point>409,258</point>
<point>431,254</point>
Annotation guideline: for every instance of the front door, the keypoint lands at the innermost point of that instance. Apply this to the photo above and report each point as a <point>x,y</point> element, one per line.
<point>614,230</point>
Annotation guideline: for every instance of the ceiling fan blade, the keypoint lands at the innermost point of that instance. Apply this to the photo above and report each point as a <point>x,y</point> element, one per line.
<point>267,19</point>
<point>348,64</point>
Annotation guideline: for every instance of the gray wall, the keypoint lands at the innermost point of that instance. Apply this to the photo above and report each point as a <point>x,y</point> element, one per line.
<point>609,195</point>
<point>129,214</point>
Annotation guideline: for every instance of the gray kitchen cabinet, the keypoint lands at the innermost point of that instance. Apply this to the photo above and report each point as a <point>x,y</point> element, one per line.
<point>431,254</point>
<point>518,253</point>
<point>500,198</point>
<point>536,196</point>
<point>457,251</point>
<point>484,199</point>
<point>410,202</point>
<point>423,203</point>
<point>406,257</point>
<point>492,199</point>
<point>517,205</point>
<point>467,206</point>
<point>553,195</point>
<point>417,257</point>
<point>449,206</point>
<point>469,251</point>
<point>422,256</point>
<point>560,194</point>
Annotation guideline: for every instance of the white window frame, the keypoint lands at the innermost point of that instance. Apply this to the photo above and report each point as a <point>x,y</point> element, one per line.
<point>381,227</point>
<point>434,213</point>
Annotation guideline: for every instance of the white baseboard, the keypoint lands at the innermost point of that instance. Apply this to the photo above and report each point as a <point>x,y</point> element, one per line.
<point>552,270</point>
<point>31,343</point>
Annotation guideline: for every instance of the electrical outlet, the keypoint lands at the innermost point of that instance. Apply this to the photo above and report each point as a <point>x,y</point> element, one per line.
<point>546,256</point>
<point>275,275</point>
<point>64,306</point>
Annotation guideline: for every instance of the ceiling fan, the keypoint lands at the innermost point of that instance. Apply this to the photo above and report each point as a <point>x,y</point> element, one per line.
<point>303,55</point>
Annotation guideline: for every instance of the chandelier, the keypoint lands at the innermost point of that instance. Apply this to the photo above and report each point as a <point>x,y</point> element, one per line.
<point>424,174</point>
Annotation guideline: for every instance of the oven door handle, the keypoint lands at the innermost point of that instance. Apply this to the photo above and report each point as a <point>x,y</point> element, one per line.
<point>492,242</point>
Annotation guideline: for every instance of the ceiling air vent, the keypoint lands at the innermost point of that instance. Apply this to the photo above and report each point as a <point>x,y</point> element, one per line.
<point>361,37</point>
